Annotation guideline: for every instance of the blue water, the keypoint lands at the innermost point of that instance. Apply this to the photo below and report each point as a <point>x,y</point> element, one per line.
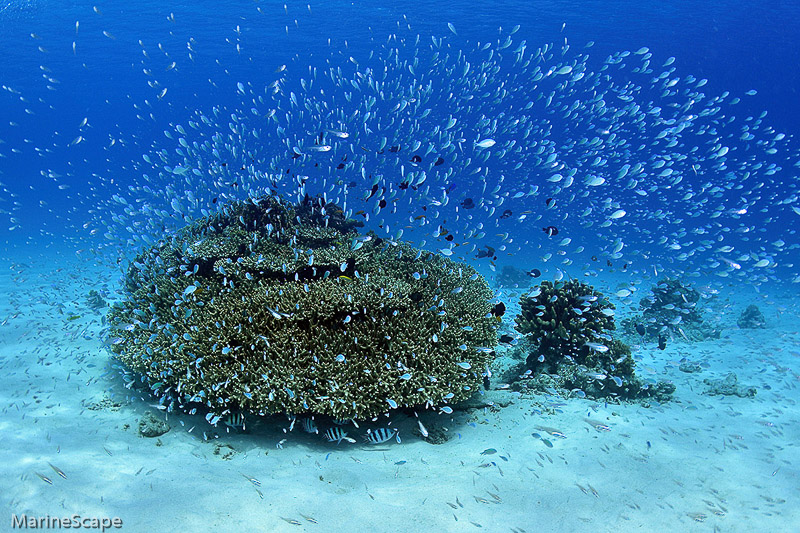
<point>91,94</point>
<point>737,47</point>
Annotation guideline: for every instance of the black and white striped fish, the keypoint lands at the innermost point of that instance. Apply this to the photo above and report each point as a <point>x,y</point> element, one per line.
<point>235,420</point>
<point>337,435</point>
<point>382,435</point>
<point>309,426</point>
<point>342,422</point>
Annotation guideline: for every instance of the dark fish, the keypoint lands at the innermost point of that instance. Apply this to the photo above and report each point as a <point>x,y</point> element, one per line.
<point>640,329</point>
<point>373,191</point>
<point>416,159</point>
<point>449,237</point>
<point>550,230</point>
<point>438,161</point>
<point>394,149</point>
<point>550,202</point>
<point>498,310</point>
<point>489,252</point>
<point>505,338</point>
<point>662,342</point>
<point>486,383</point>
<point>534,272</point>
<point>507,213</point>
<point>468,203</point>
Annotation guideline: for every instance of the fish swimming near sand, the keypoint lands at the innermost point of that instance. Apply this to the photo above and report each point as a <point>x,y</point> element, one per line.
<point>337,435</point>
<point>381,435</point>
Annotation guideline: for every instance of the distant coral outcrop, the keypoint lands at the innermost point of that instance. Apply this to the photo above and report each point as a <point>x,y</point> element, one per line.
<point>569,329</point>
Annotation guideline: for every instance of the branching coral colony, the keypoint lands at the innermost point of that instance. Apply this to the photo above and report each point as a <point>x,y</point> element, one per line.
<point>270,307</point>
<point>672,310</point>
<point>568,327</point>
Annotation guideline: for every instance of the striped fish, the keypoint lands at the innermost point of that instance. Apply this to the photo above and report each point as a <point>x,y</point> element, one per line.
<point>235,421</point>
<point>382,435</point>
<point>337,435</point>
<point>309,426</point>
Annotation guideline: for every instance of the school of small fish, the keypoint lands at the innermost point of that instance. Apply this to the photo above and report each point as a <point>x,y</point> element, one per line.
<point>462,145</point>
<point>542,132</point>
<point>471,150</point>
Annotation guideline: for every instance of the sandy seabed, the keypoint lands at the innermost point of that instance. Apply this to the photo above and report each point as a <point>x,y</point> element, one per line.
<point>698,463</point>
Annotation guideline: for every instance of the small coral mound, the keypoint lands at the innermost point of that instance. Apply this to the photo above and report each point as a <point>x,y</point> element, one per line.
<point>95,300</point>
<point>752,318</point>
<point>672,309</point>
<point>150,426</point>
<point>566,321</point>
<point>728,386</point>
<point>270,307</point>
<point>568,329</point>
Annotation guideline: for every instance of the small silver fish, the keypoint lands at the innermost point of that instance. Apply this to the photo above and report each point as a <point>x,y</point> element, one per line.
<point>44,478</point>
<point>322,148</point>
<point>596,346</point>
<point>252,480</point>
<point>309,518</point>
<point>58,470</point>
